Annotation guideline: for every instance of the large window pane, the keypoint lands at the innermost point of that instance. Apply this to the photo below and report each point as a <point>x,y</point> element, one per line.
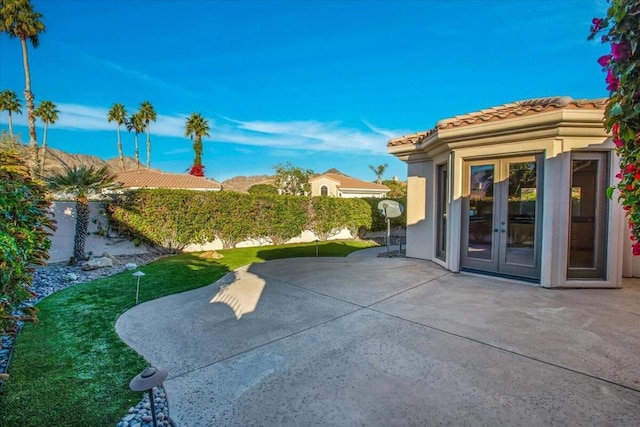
<point>588,215</point>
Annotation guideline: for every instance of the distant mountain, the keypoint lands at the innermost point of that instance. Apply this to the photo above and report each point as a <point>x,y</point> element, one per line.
<point>241,183</point>
<point>56,160</point>
<point>335,171</point>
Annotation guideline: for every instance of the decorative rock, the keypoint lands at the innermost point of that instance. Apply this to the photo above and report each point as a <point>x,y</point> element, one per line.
<point>96,263</point>
<point>71,277</point>
<point>129,418</point>
<point>111,257</point>
<point>146,418</point>
<point>131,266</point>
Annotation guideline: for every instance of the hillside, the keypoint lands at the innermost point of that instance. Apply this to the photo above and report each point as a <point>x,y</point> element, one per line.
<point>241,183</point>
<point>57,159</point>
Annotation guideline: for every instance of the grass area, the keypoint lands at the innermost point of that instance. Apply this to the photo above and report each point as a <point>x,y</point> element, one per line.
<point>72,369</point>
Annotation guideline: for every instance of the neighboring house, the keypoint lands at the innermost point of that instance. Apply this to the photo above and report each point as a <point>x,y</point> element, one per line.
<point>518,191</point>
<point>145,178</point>
<point>336,185</point>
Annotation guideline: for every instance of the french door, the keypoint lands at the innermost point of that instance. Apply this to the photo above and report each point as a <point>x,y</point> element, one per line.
<point>501,216</point>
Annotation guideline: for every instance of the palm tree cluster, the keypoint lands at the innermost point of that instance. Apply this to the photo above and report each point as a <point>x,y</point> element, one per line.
<point>137,122</point>
<point>196,127</point>
<point>18,19</point>
<point>10,103</point>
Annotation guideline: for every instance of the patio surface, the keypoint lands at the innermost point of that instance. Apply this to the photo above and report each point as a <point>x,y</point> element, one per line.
<point>391,342</point>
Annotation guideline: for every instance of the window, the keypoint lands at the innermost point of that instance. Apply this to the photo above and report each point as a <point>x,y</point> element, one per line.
<point>587,227</point>
<point>442,206</point>
<point>324,190</point>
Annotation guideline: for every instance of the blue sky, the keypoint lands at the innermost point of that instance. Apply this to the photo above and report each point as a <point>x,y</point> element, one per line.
<point>321,84</point>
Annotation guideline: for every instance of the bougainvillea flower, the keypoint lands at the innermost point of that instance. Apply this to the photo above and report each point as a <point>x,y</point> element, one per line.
<point>597,25</point>
<point>619,50</point>
<point>619,175</point>
<point>604,60</point>
<point>629,187</point>
<point>637,175</point>
<point>630,168</point>
<point>626,208</point>
<point>612,81</point>
<point>615,128</point>
<point>618,141</point>
<point>636,248</point>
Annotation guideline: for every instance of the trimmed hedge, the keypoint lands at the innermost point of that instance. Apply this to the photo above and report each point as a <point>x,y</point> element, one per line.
<point>173,219</point>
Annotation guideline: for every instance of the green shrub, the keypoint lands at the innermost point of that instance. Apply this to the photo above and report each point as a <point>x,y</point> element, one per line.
<point>263,190</point>
<point>173,219</point>
<point>24,228</point>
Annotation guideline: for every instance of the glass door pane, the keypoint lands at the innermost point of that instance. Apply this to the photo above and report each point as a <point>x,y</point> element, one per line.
<point>520,217</point>
<point>442,207</point>
<point>588,216</point>
<point>480,213</point>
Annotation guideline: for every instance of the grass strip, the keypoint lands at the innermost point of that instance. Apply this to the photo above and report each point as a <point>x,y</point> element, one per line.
<point>72,369</point>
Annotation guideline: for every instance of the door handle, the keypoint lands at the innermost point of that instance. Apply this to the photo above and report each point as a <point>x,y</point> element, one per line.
<point>501,230</point>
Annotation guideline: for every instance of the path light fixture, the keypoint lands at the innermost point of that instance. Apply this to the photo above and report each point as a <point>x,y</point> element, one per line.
<point>146,381</point>
<point>138,275</point>
<point>317,243</point>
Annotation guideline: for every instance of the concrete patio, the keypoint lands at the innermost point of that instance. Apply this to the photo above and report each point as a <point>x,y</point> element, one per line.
<point>376,341</point>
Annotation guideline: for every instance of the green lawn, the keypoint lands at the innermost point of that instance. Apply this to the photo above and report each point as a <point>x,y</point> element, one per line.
<point>71,369</point>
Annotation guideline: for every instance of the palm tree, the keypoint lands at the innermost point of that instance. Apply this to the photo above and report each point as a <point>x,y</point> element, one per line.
<point>19,20</point>
<point>118,114</point>
<point>148,114</point>
<point>81,182</point>
<point>197,127</point>
<point>379,171</point>
<point>10,103</point>
<point>136,124</point>
<point>48,113</point>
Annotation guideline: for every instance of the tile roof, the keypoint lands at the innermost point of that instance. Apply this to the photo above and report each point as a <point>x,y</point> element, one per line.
<point>145,178</point>
<point>502,112</point>
<point>348,182</point>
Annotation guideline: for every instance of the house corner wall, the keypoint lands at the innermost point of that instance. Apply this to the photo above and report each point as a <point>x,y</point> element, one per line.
<point>419,219</point>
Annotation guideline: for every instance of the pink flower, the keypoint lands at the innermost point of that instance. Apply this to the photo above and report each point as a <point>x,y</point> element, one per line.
<point>619,175</point>
<point>630,168</point>
<point>636,248</point>
<point>604,60</point>
<point>619,50</point>
<point>612,81</point>
<point>597,25</point>
<point>615,128</point>
<point>618,141</point>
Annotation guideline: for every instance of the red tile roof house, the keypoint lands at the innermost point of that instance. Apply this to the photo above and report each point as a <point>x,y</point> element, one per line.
<point>336,185</point>
<point>145,178</point>
<point>518,191</point>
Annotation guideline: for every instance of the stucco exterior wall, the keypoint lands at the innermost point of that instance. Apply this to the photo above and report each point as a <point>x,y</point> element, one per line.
<point>317,184</point>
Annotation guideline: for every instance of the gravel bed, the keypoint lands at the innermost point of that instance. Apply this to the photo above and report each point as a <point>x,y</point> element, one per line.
<point>56,277</point>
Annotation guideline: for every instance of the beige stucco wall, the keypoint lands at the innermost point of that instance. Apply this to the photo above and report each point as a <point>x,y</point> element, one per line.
<point>318,183</point>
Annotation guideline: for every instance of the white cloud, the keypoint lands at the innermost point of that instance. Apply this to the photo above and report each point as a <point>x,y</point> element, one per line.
<point>308,136</point>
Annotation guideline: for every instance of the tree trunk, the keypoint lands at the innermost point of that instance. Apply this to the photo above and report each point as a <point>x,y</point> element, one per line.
<point>120,154</point>
<point>10,124</point>
<point>28,96</point>
<point>137,153</point>
<point>197,148</point>
<point>44,147</point>
<point>148,148</point>
<point>82,225</point>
